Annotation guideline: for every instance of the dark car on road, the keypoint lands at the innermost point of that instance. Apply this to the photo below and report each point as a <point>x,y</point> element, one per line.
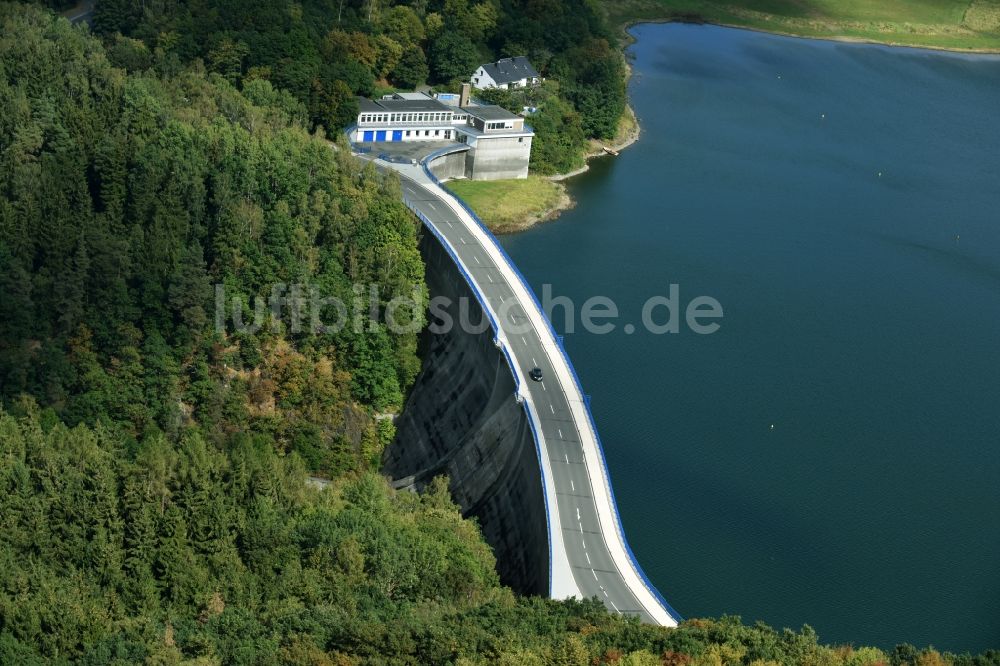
<point>536,374</point>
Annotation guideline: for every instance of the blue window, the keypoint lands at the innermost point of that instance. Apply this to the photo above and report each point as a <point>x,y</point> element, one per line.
<point>369,135</point>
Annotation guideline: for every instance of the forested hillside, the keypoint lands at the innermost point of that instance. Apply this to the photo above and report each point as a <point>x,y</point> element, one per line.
<point>127,197</point>
<point>154,503</point>
<point>324,52</point>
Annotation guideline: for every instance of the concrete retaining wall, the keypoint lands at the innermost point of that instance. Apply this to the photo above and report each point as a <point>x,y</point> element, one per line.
<point>498,158</point>
<point>462,420</point>
<point>449,166</point>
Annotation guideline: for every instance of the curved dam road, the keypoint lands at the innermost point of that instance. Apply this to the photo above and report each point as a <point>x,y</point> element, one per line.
<point>589,556</point>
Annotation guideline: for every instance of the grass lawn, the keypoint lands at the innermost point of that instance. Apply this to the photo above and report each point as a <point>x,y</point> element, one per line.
<point>950,24</point>
<point>509,205</point>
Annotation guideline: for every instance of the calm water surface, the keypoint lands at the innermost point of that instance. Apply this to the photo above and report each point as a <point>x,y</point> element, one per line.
<point>862,321</point>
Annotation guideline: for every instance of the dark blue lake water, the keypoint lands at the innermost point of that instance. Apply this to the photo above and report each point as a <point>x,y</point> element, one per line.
<point>842,202</point>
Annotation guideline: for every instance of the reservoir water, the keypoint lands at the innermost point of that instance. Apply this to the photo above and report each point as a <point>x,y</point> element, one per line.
<point>830,456</point>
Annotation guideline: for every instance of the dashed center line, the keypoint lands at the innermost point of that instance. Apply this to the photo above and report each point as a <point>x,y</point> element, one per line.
<point>524,340</point>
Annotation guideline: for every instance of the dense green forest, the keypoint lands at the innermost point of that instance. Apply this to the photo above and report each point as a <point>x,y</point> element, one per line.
<point>324,52</point>
<point>127,197</point>
<point>154,500</point>
<point>184,553</point>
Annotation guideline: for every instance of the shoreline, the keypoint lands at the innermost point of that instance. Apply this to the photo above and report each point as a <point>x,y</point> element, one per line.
<point>841,39</point>
<point>565,202</point>
<point>599,149</point>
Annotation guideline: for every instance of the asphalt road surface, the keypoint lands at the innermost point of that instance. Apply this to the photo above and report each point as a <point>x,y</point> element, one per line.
<point>593,568</point>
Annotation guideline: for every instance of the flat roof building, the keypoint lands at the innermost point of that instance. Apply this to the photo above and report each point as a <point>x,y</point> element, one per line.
<point>499,142</point>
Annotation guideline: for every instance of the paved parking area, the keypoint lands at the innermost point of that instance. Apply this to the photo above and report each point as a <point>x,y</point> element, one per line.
<point>415,150</point>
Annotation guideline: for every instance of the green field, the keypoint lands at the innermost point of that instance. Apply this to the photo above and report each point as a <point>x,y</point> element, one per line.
<point>948,24</point>
<point>510,205</point>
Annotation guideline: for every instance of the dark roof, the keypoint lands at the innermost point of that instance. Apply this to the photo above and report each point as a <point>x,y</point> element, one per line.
<point>396,105</point>
<point>490,112</point>
<point>507,70</point>
<point>365,105</point>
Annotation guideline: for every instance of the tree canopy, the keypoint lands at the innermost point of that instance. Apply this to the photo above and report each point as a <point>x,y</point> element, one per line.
<point>155,504</point>
<point>324,52</point>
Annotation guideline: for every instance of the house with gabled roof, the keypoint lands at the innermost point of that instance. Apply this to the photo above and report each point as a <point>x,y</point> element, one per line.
<point>515,72</point>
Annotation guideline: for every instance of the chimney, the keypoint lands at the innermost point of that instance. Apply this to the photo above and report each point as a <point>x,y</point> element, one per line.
<point>463,98</point>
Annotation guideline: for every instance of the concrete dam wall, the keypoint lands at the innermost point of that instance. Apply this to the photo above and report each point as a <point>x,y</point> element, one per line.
<point>462,420</point>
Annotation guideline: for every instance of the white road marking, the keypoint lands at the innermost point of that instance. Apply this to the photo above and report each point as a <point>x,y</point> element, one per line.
<point>566,455</point>
<point>572,486</point>
<point>534,362</point>
<point>595,574</point>
<point>543,387</point>
<point>490,277</point>
<point>560,433</point>
<point>552,408</point>
<point>578,513</point>
<point>431,204</point>
<point>477,260</point>
<point>524,340</point>
<point>613,606</point>
<point>584,544</point>
<point>588,557</point>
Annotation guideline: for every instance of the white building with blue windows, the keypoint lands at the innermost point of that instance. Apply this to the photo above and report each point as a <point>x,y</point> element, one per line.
<point>498,142</point>
<point>406,117</point>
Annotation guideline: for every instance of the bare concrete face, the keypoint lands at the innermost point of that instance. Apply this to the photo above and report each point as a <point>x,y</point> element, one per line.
<point>449,166</point>
<point>462,420</point>
<point>499,158</point>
